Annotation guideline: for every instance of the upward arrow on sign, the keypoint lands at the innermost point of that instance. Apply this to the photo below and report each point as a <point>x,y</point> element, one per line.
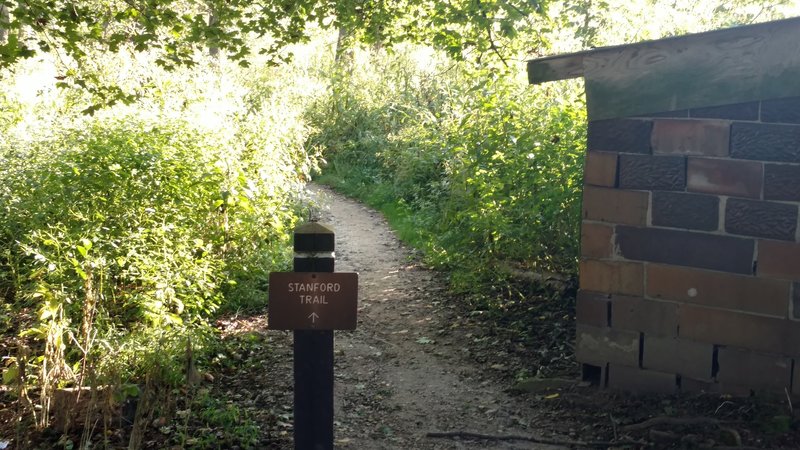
<point>313,316</point>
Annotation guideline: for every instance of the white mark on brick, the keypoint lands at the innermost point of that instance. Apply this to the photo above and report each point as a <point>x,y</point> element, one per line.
<point>692,292</point>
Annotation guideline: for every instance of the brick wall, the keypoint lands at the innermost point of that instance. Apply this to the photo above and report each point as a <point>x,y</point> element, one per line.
<point>690,243</point>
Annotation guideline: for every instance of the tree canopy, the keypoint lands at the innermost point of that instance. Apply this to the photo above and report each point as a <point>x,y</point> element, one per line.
<point>175,30</point>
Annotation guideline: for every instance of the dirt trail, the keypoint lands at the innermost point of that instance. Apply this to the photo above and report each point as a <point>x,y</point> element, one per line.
<point>402,373</point>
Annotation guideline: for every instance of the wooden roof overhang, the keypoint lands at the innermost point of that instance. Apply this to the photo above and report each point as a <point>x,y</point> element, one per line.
<point>727,66</point>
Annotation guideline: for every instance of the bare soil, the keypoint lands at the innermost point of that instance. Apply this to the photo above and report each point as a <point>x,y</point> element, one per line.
<point>405,371</point>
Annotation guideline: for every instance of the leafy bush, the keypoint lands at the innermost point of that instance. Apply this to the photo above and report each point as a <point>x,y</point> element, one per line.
<point>121,233</point>
<point>480,169</point>
<point>122,213</point>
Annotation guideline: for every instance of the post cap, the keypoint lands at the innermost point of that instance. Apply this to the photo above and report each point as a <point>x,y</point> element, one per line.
<point>313,237</point>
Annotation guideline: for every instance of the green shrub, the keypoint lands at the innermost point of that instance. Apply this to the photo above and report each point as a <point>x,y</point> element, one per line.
<point>479,169</point>
<point>127,235</point>
<point>125,214</point>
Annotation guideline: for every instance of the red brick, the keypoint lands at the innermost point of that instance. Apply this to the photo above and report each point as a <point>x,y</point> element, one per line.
<point>591,308</point>
<point>599,346</point>
<point>682,356</point>
<point>778,260</point>
<point>600,169</point>
<point>759,333</point>
<point>615,205</point>
<point>646,316</point>
<point>612,277</point>
<point>632,379</point>
<point>721,290</point>
<point>691,137</point>
<point>740,368</point>
<point>725,177</point>
<point>596,240</point>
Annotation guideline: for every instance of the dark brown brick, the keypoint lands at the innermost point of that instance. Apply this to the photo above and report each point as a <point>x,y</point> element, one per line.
<point>765,142</point>
<point>761,219</point>
<point>724,177</point>
<point>647,316</point>
<point>781,182</point>
<point>692,386</point>
<point>684,357</point>
<point>667,173</point>
<point>619,135</point>
<point>599,346</point>
<point>615,206</point>
<point>782,110</point>
<point>796,377</point>
<point>779,260</point>
<point>691,137</point>
<point>738,111</point>
<point>752,370</point>
<point>796,305</point>
<point>680,113</point>
<point>690,211</point>
<point>684,248</point>
<point>596,240</point>
<point>723,327</point>
<point>720,290</point>
<point>600,169</point>
<point>633,379</point>
<point>612,277</point>
<point>591,308</point>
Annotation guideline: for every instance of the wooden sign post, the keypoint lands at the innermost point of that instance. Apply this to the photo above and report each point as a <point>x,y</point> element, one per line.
<point>313,301</point>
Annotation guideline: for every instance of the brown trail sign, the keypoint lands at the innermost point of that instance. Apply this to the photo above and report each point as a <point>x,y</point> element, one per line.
<point>313,301</point>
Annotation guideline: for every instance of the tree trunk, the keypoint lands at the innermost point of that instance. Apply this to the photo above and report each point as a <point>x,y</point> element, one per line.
<point>344,50</point>
<point>4,21</point>
<point>213,50</point>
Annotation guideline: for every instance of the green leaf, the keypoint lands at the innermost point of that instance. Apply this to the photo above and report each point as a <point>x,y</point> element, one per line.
<point>10,374</point>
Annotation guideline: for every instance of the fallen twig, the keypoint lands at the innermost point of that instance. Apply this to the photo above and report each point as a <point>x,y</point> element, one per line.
<point>671,421</point>
<point>726,402</point>
<point>613,425</point>
<point>516,437</point>
<point>724,447</point>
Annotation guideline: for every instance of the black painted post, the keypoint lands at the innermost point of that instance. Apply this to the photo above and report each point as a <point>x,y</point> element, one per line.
<point>313,350</point>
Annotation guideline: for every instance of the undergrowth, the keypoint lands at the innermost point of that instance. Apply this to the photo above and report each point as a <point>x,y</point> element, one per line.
<point>123,235</point>
<point>473,166</point>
